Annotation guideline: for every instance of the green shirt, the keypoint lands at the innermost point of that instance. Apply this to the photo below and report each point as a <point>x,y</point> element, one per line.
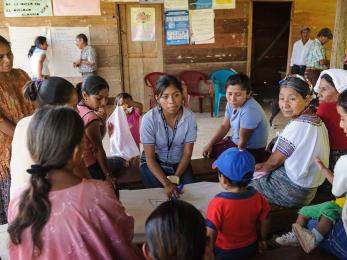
<point>315,54</point>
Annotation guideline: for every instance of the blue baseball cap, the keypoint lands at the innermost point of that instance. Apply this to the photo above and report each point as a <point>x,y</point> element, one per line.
<point>235,164</point>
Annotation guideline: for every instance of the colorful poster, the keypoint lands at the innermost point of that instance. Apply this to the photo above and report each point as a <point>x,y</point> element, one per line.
<point>200,4</point>
<point>175,5</point>
<point>76,7</point>
<point>202,26</point>
<point>142,24</point>
<point>26,8</point>
<point>177,27</point>
<point>223,4</point>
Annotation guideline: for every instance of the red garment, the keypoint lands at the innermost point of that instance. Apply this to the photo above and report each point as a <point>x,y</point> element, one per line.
<point>234,216</point>
<point>328,113</point>
<point>134,124</point>
<point>89,151</point>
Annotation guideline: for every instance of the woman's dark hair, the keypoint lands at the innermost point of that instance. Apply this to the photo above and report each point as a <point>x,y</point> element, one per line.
<point>51,91</point>
<point>92,85</point>
<point>328,79</point>
<point>299,85</point>
<point>176,230</point>
<point>38,41</point>
<point>83,37</point>
<point>123,96</point>
<point>240,79</point>
<point>342,100</point>
<point>164,82</point>
<point>4,41</point>
<point>53,134</point>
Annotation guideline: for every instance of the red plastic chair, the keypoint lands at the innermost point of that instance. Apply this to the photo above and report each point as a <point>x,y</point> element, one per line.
<point>150,82</point>
<point>192,80</point>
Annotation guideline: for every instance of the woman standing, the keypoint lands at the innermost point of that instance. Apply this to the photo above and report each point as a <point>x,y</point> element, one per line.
<point>245,117</point>
<point>38,59</point>
<point>291,175</point>
<point>13,107</point>
<point>168,133</point>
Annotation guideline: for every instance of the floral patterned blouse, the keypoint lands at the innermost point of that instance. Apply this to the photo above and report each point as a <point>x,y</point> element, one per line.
<point>13,107</point>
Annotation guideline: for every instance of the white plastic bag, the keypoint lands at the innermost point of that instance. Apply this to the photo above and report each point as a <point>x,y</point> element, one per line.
<point>122,143</point>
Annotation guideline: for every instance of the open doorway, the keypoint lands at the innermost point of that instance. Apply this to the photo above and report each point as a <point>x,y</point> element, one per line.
<point>270,35</point>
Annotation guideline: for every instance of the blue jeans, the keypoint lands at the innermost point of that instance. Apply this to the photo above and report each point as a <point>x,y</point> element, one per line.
<point>150,181</point>
<point>336,241</point>
<point>239,253</point>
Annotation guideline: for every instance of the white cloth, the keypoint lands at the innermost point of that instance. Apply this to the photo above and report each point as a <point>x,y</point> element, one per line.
<point>299,52</point>
<point>339,77</point>
<point>301,141</point>
<point>340,184</point>
<point>34,62</point>
<point>122,143</point>
<point>20,156</point>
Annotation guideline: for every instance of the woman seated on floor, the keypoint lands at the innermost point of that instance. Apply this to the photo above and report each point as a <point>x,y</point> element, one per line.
<point>168,133</point>
<point>246,118</point>
<point>330,84</point>
<point>291,175</point>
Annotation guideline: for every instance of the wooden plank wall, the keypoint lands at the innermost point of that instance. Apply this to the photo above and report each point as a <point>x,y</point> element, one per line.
<point>103,34</point>
<point>228,51</point>
<point>313,13</point>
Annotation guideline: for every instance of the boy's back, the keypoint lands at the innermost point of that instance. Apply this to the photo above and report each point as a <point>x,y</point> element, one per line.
<point>234,217</point>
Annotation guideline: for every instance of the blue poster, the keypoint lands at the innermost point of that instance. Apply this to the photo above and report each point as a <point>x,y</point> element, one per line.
<point>200,4</point>
<point>177,27</point>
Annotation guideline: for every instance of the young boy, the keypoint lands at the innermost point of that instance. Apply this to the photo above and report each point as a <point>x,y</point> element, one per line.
<point>232,215</point>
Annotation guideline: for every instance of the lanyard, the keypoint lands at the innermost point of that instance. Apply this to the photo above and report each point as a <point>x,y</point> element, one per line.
<point>169,143</point>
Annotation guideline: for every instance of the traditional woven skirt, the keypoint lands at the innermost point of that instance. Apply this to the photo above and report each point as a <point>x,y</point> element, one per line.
<point>5,182</point>
<point>280,190</point>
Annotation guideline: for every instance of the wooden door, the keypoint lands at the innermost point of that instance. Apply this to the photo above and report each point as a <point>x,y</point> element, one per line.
<point>140,58</point>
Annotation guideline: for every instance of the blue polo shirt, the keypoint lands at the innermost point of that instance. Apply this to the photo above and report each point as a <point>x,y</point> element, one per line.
<point>251,116</point>
<point>152,131</point>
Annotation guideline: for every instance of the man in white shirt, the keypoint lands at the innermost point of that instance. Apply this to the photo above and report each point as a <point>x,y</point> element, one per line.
<point>300,48</point>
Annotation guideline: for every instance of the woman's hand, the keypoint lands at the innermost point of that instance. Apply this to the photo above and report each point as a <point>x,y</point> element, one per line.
<point>207,151</point>
<point>319,163</point>
<point>171,190</point>
<point>258,167</point>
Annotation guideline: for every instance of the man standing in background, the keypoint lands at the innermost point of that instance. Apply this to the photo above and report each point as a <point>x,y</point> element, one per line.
<point>87,63</point>
<point>300,48</point>
<point>316,60</point>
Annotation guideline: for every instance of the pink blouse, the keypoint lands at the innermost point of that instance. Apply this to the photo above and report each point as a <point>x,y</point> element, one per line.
<point>87,221</point>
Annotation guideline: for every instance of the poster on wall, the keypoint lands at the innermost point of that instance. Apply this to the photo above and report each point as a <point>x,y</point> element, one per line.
<point>76,7</point>
<point>202,26</point>
<point>175,5</point>
<point>142,24</point>
<point>27,8</point>
<point>224,4</point>
<point>177,27</point>
<point>200,4</point>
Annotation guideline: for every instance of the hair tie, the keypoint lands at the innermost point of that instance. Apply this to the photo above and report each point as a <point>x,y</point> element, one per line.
<point>37,170</point>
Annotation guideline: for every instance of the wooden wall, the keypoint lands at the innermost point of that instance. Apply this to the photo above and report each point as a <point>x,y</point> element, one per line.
<point>228,51</point>
<point>103,34</point>
<point>315,14</point>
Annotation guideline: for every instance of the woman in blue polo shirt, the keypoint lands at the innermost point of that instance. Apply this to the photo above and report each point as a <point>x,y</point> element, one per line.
<point>168,133</point>
<point>245,117</point>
